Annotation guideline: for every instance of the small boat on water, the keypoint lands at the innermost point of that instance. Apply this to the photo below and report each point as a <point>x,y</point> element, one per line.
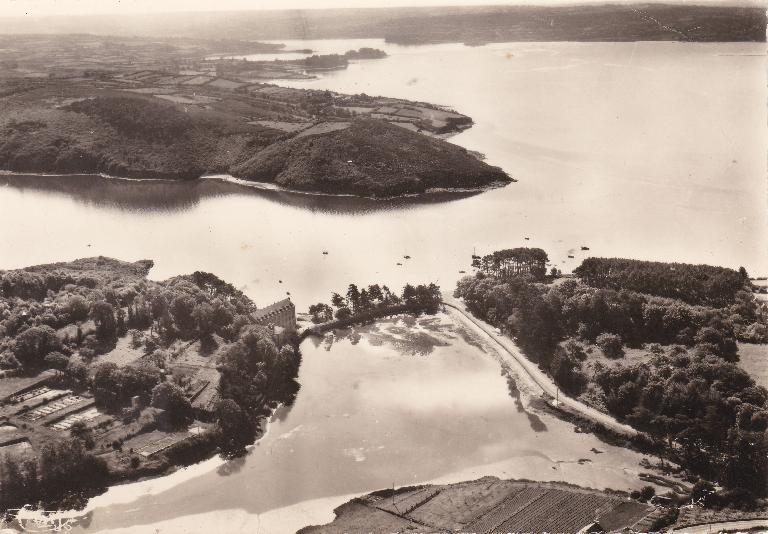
<point>325,252</point>
<point>570,256</point>
<point>399,263</point>
<point>527,238</point>
<point>407,257</point>
<point>462,272</point>
<point>584,248</point>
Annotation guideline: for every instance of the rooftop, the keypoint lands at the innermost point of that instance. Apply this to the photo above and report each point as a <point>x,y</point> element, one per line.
<point>272,308</point>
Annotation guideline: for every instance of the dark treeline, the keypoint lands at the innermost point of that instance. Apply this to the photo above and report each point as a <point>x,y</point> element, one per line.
<point>687,394</point>
<point>137,118</point>
<point>542,315</point>
<point>513,262</point>
<point>125,135</point>
<point>356,301</point>
<point>256,376</point>
<point>694,284</point>
<point>708,412</point>
<point>64,474</point>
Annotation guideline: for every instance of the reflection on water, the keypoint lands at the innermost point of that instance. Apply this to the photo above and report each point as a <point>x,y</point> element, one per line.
<point>404,335</point>
<point>537,425</point>
<point>169,196</point>
<point>402,411</point>
<point>632,149</point>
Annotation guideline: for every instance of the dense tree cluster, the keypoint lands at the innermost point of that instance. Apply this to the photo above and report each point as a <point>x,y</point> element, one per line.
<point>125,135</point>
<point>137,117</point>
<point>687,394</point>
<point>324,61</point>
<point>709,412</point>
<point>114,386</point>
<point>65,320</point>
<point>366,52</point>
<point>176,406</point>
<point>356,301</point>
<point>84,306</point>
<point>542,315</point>
<point>508,263</point>
<point>369,157</point>
<point>694,284</point>
<point>256,376</point>
<point>63,474</point>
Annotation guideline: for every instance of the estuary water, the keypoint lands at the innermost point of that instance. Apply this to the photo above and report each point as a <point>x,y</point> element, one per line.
<point>401,402</point>
<point>644,150</point>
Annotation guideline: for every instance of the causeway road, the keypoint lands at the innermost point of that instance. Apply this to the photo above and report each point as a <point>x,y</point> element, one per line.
<point>513,355</point>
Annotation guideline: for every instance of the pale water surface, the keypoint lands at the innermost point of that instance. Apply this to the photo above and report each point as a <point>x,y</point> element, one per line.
<point>644,150</point>
<point>401,402</point>
<point>647,150</point>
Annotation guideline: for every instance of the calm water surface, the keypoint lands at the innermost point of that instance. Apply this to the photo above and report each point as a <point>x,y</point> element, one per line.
<point>401,402</point>
<point>648,150</point>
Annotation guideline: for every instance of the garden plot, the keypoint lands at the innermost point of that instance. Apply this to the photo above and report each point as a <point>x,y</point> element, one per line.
<point>52,407</point>
<point>123,353</point>
<point>16,399</point>
<point>44,397</point>
<point>151,443</point>
<point>85,416</point>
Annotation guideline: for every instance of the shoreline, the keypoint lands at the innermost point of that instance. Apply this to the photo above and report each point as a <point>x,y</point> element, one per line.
<point>183,472</point>
<point>320,510</point>
<point>266,186</point>
<point>543,383</point>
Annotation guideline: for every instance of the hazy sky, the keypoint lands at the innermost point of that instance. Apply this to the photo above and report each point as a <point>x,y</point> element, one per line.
<point>83,7</point>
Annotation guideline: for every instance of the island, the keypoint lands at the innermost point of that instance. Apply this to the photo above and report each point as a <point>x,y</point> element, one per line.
<point>178,118</point>
<point>293,68</point>
<point>106,376</point>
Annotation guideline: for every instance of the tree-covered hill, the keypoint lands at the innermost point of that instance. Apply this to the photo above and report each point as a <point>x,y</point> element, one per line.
<point>82,129</point>
<point>369,157</point>
<point>664,365</point>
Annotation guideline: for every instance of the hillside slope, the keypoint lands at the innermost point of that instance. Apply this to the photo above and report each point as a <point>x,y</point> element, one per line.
<point>75,129</point>
<point>369,158</point>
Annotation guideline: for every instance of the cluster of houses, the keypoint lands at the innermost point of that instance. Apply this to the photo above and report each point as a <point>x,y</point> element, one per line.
<point>35,402</point>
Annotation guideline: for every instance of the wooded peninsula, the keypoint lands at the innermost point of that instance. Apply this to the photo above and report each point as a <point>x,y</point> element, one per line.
<point>106,376</point>
<point>181,115</point>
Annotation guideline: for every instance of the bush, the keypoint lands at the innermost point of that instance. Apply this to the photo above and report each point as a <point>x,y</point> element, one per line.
<point>611,345</point>
<point>33,344</point>
<point>668,516</point>
<point>170,397</point>
<point>647,493</point>
<point>343,313</point>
